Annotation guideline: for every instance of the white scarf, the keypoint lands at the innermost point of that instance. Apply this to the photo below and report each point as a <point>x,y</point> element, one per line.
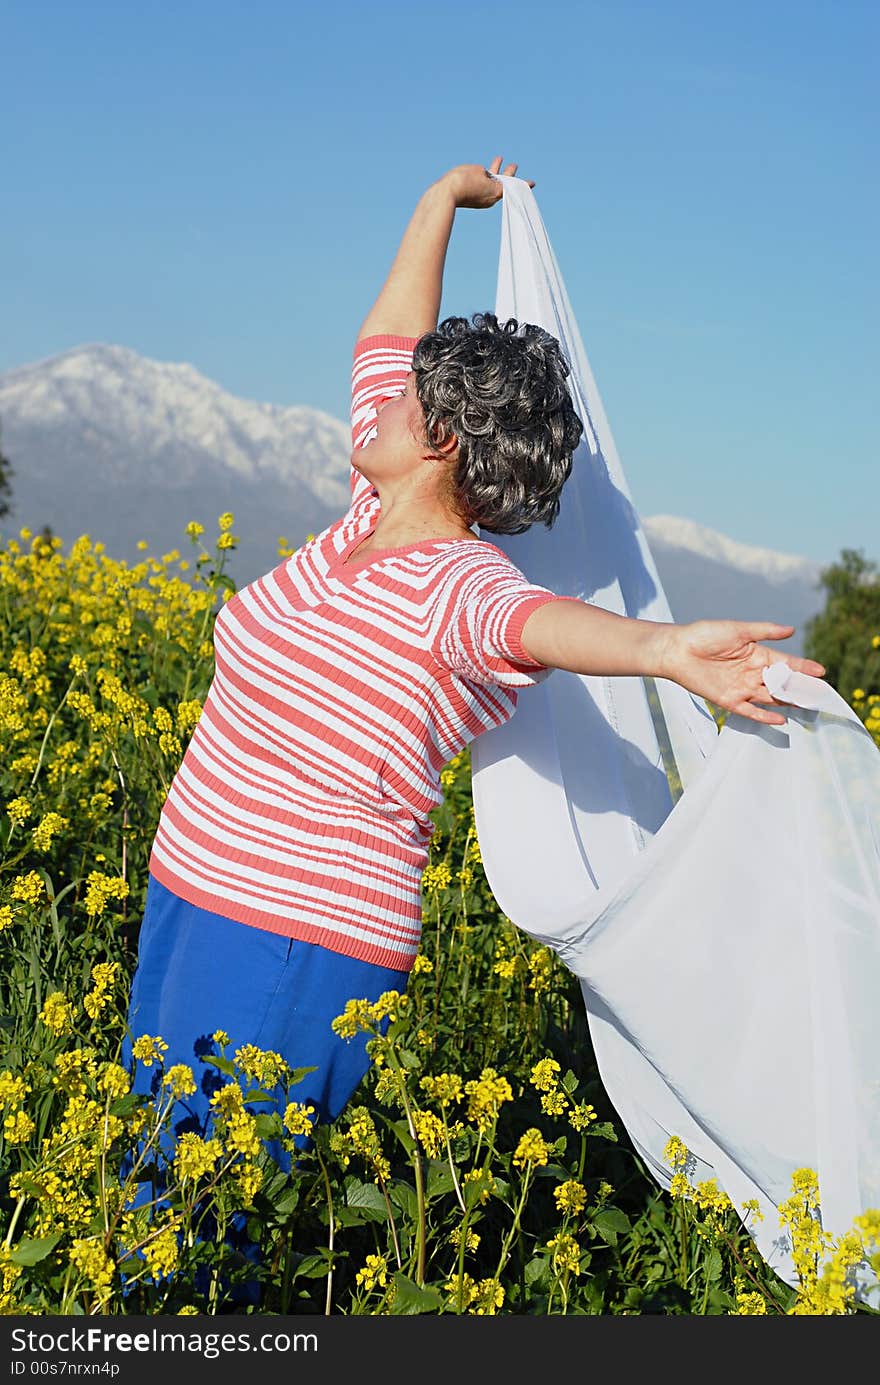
<point>726,933</point>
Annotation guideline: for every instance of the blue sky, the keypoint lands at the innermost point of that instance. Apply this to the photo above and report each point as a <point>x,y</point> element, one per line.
<point>226,184</point>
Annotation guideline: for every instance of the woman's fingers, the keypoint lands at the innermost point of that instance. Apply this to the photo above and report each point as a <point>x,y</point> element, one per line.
<point>810,666</point>
<point>510,170</point>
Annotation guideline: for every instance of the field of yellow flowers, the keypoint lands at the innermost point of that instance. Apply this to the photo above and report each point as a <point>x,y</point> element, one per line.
<point>479,1169</point>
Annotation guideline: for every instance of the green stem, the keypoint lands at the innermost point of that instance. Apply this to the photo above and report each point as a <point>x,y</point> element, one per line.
<point>421,1234</point>
<point>15,1216</point>
<point>330,1241</point>
<point>508,1240</point>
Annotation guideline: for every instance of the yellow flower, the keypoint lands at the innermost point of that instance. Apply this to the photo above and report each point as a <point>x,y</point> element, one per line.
<point>430,1132</point>
<point>149,1050</point>
<point>114,1081</point>
<point>544,1074</point>
<point>48,827</point>
<point>72,1069</point>
<point>676,1153</point>
<point>541,968</point>
<point>486,1093</point>
<point>6,917</point>
<point>364,1140</point>
<point>195,1156</point>
<point>261,1065</point>
<point>226,520</point>
<point>422,965</point>
<point>708,1197</point>
<point>241,1134</point>
<point>100,888</point>
<point>188,714</point>
<point>29,889</point>
<point>357,1016</point>
<point>446,1087</point>
<point>13,1088</point>
<point>57,1013</point>
<point>374,1274</point>
<point>436,877</point>
<point>581,1116</point>
<point>298,1118</point>
<point>162,1251</point>
<point>532,1149</point>
<point>750,1305</point>
<point>18,1128</point>
<point>227,541</point>
<point>194,529</point>
<point>570,1196</point>
<point>18,809</point>
<point>566,1254</point>
<point>180,1079</point>
<point>507,968</point>
<point>858,694</point>
<point>484,1181</point>
<point>487,1299</point>
<point>92,1262</point>
<point>554,1103</point>
<point>249,1181</point>
<point>471,1242</point>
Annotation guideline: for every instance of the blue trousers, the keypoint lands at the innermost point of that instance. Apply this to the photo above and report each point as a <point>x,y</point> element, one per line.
<point>199,972</point>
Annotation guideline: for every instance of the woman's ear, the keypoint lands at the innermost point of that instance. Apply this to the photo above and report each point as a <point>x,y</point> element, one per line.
<point>444,442</point>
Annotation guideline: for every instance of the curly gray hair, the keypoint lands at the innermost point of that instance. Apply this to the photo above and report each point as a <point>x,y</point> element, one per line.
<point>501,389</point>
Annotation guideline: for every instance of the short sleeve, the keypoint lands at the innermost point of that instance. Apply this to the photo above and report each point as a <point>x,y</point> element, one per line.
<point>482,637</point>
<point>380,366</point>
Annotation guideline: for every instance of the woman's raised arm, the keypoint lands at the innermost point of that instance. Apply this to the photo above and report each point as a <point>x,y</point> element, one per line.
<point>409,302</point>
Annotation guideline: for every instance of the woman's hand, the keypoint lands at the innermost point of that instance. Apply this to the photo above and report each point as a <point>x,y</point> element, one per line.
<point>722,661</point>
<point>472,186</point>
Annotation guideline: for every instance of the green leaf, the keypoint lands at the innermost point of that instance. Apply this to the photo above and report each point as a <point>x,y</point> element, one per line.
<point>214,1060</point>
<point>348,1216</point>
<point>439,1179</point>
<point>714,1265</point>
<point>297,1075</point>
<point>605,1129</point>
<point>312,1267</point>
<point>401,1130</point>
<point>366,1198</point>
<point>610,1223</point>
<point>409,1298</point>
<point>31,1252</point>
<point>537,1272</point>
<point>404,1198</point>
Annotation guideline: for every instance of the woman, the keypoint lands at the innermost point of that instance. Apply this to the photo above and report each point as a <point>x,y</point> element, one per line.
<point>285,872</point>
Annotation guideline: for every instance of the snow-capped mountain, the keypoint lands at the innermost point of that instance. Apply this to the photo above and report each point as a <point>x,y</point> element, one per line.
<point>706,575</point>
<point>106,442</point>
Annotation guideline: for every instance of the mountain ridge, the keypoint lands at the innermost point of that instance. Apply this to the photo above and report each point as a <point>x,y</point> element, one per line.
<point>108,442</point>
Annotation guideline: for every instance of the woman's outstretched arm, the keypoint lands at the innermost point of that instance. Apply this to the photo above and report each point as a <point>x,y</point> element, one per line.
<point>720,660</point>
<point>409,302</point>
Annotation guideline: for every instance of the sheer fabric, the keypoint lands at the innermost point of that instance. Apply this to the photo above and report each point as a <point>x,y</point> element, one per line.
<point>717,895</point>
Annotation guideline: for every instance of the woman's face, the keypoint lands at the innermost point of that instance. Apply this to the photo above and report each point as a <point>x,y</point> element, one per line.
<point>399,413</point>
<point>399,446</point>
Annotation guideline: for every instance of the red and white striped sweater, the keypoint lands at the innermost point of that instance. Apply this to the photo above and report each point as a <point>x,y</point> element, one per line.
<point>301,805</point>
